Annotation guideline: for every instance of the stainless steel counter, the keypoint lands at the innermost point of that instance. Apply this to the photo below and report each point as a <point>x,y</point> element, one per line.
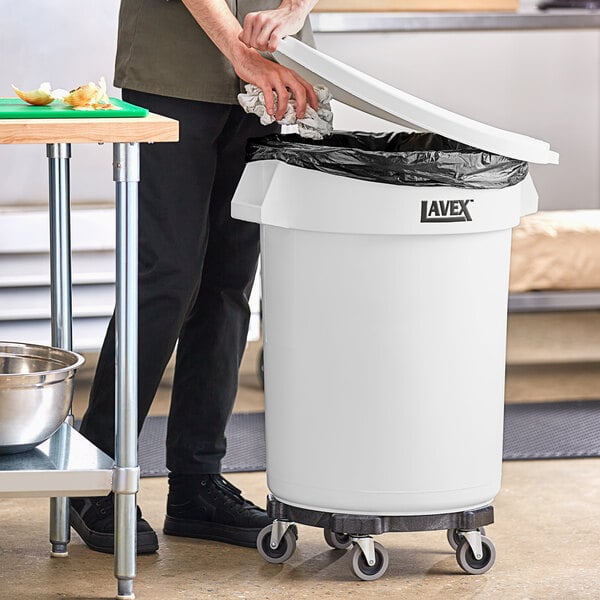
<point>527,17</point>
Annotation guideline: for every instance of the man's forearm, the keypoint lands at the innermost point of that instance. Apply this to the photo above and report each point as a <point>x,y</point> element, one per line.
<point>218,22</point>
<point>302,6</point>
<point>222,27</point>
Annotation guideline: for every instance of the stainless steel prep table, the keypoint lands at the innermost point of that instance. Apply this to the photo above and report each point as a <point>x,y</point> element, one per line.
<point>67,464</point>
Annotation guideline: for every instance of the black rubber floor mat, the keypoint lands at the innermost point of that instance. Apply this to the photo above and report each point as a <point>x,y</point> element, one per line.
<point>543,430</point>
<point>552,430</point>
<point>245,445</point>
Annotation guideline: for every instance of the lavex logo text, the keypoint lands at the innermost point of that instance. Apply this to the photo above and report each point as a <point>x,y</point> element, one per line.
<point>445,211</point>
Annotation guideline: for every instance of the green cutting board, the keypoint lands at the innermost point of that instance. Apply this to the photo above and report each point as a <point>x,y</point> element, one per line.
<point>15,108</point>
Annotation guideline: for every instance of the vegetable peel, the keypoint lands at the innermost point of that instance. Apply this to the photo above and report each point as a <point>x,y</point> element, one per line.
<point>89,97</point>
<point>40,97</point>
<point>86,97</point>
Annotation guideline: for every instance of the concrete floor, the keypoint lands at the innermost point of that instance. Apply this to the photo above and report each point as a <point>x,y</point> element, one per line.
<point>546,531</point>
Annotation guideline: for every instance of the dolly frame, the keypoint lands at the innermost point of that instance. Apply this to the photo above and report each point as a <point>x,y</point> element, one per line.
<point>475,553</point>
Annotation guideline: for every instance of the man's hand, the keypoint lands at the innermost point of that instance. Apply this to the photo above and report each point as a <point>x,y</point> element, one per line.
<point>269,76</point>
<point>223,29</point>
<point>264,30</point>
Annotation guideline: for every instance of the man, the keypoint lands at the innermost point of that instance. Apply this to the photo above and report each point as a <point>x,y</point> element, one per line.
<point>188,60</point>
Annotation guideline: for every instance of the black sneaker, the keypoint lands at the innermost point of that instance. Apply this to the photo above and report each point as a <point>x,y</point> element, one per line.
<point>209,507</point>
<point>94,520</point>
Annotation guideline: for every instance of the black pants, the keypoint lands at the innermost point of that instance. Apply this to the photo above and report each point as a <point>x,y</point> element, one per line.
<point>196,267</point>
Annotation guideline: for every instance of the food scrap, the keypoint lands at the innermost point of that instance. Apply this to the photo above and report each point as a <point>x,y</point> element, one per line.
<point>86,97</point>
<point>40,97</point>
<point>89,97</point>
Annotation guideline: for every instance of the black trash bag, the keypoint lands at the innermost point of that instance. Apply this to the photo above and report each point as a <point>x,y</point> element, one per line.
<point>420,159</point>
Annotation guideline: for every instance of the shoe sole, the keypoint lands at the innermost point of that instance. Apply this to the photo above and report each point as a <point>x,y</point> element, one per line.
<point>238,536</point>
<point>147,542</point>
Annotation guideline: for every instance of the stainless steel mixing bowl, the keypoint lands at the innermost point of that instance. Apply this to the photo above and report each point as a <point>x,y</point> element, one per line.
<point>36,391</point>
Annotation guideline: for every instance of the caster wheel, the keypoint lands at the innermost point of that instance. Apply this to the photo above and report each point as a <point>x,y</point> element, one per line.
<point>286,547</point>
<point>341,541</point>
<point>454,537</point>
<point>467,561</point>
<point>363,570</point>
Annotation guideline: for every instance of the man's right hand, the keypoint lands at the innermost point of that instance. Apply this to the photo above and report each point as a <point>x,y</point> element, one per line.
<point>269,76</point>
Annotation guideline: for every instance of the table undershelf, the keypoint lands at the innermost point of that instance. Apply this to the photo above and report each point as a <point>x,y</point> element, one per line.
<point>65,465</point>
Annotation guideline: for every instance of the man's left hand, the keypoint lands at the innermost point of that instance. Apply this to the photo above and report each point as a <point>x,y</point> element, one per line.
<point>264,30</point>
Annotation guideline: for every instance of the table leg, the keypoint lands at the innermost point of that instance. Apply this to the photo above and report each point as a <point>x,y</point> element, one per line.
<point>126,479</point>
<point>61,306</point>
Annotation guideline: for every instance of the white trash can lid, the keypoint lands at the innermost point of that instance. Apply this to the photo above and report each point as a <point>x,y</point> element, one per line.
<point>359,90</point>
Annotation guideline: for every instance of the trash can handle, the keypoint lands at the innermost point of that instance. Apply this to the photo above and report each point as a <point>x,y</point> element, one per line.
<point>529,196</point>
<point>251,192</point>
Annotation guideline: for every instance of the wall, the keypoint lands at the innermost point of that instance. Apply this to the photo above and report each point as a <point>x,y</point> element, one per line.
<point>69,43</point>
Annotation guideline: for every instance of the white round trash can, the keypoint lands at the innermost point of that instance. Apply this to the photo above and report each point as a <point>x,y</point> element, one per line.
<point>384,338</point>
<point>384,331</point>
